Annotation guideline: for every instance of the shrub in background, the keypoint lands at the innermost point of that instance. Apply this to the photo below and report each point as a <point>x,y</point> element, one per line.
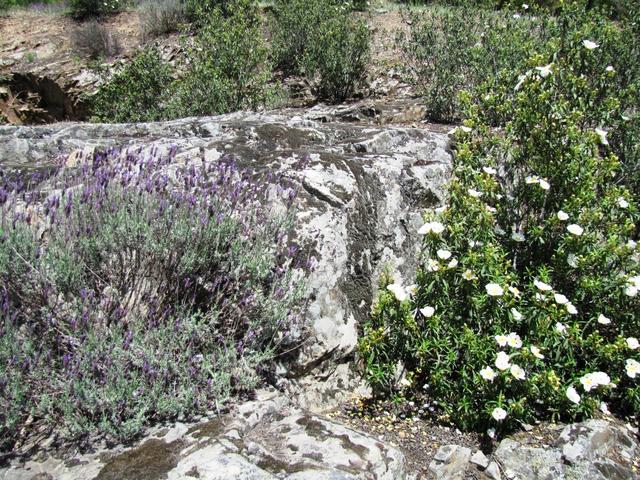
<point>136,92</point>
<point>321,41</point>
<point>525,307</point>
<point>82,9</point>
<point>139,291</point>
<point>159,17</point>
<point>95,40</point>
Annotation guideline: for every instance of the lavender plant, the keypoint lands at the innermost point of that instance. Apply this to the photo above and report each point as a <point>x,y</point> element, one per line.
<point>137,289</point>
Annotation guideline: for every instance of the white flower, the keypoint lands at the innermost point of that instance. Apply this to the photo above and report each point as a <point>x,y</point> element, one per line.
<point>431,227</point>
<point>604,408</point>
<point>571,309</point>
<point>474,193</point>
<point>516,15</point>
<point>543,287</point>
<point>610,69</point>
<point>412,289</point>
<point>573,395</point>
<point>525,6</point>
<point>517,372</point>
<point>589,45</point>
<point>405,383</point>
<point>603,136</point>
<point>494,290</point>
<point>488,374</point>
<point>631,244</point>
<point>560,299</point>
<point>544,184</point>
<point>399,291</point>
<point>562,216</point>
<point>465,129</point>
<point>572,260</point>
<point>602,320</point>
<point>489,170</point>
<point>453,263</point>
<point>588,382</point>
<point>490,209</point>
<point>491,432</point>
<point>622,203</point>
<point>532,179</point>
<point>443,254</point>
<point>441,209</point>
<point>575,229</point>
<point>521,79</point>
<point>499,414</point>
<point>514,291</point>
<point>517,236</point>
<point>502,361</point>
<point>517,316</point>
<point>632,367</point>
<point>536,352</point>
<point>632,343</point>
<point>601,378</point>
<point>499,230</point>
<point>502,340</point>
<point>545,71</point>
<point>428,311</point>
<point>631,291</point>
<point>514,341</point>
<point>468,275</point>
<point>561,327</point>
<point>432,265</point>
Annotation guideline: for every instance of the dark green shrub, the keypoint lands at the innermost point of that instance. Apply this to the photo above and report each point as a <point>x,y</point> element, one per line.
<point>322,41</point>
<point>227,68</point>
<point>136,92</point>
<point>155,292</point>
<point>525,305</point>
<point>82,9</point>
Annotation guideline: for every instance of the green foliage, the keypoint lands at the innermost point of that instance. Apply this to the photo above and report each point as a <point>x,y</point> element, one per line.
<point>135,93</point>
<point>227,68</point>
<point>527,295</point>
<point>322,41</point>
<point>81,9</point>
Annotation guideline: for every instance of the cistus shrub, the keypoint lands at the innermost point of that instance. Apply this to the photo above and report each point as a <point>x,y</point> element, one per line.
<point>137,288</point>
<point>525,307</point>
<point>323,42</point>
<point>135,93</point>
<point>81,9</point>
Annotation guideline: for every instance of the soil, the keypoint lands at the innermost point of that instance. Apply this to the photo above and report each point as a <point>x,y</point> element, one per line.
<point>417,435</point>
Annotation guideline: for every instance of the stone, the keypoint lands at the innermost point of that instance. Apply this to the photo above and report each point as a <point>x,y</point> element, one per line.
<point>493,471</point>
<point>480,459</point>
<point>450,462</point>
<point>527,462</point>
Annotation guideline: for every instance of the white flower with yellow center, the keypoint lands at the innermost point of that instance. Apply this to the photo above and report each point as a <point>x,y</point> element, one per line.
<point>488,374</point>
<point>560,299</point>
<point>517,372</point>
<point>622,203</point>
<point>602,135</point>
<point>544,184</point>
<point>532,179</point>
<point>399,291</point>
<point>601,378</point>
<point>494,290</point>
<point>427,311</point>
<point>573,395</point>
<point>571,309</point>
<point>489,170</point>
<point>562,216</point>
<point>514,341</point>
<point>431,227</point>
<point>590,45</point>
<point>443,254</point>
<point>432,265</point>
<point>499,414</point>
<point>543,287</point>
<point>453,263</point>
<point>502,361</point>
<point>545,71</point>
<point>632,367</point>
<point>588,383</point>
<point>474,193</point>
<point>632,343</point>
<point>514,291</point>
<point>602,320</point>
<point>535,351</point>
<point>561,327</point>
<point>501,340</point>
<point>517,316</point>
<point>575,229</point>
<point>468,275</point>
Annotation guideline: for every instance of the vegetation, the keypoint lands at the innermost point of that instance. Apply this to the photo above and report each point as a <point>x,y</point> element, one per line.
<point>95,40</point>
<point>159,17</point>
<point>133,294</point>
<point>525,305</point>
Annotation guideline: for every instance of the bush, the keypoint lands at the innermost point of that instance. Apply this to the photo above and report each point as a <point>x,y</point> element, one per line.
<point>95,40</point>
<point>452,49</point>
<point>322,42</point>
<point>525,307</point>
<point>81,9</point>
<point>136,92</point>
<point>159,17</point>
<point>155,291</point>
<point>226,69</point>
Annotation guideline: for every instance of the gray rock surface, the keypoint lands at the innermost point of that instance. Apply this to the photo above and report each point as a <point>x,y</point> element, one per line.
<point>363,190</point>
<point>266,439</point>
<point>450,462</point>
